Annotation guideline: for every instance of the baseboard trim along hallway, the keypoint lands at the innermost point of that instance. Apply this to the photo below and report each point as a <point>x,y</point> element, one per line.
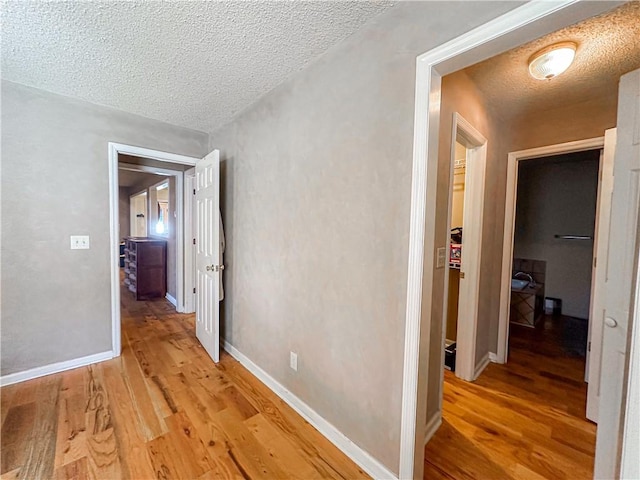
<point>365,461</point>
<point>52,368</point>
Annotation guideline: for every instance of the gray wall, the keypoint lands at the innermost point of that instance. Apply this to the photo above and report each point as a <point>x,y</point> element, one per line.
<point>460,94</point>
<point>316,184</point>
<point>55,183</point>
<point>558,196</point>
<point>124,211</point>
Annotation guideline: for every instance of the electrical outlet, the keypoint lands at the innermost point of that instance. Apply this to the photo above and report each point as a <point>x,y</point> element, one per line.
<point>441,257</point>
<point>79,242</point>
<point>293,361</point>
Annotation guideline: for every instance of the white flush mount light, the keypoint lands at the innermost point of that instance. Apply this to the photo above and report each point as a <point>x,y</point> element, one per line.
<point>552,61</point>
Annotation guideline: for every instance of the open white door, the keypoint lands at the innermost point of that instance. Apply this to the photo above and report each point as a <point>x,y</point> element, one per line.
<point>208,266</point>
<point>599,274</point>
<point>620,291</point>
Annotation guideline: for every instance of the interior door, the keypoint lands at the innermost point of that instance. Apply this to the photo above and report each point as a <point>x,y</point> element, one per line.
<point>208,266</point>
<point>599,275</point>
<point>620,292</point>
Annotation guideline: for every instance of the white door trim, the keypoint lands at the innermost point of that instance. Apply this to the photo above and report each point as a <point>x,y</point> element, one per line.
<point>114,149</point>
<point>629,467</point>
<point>510,221</point>
<point>475,171</point>
<point>189,236</point>
<point>507,31</point>
<point>599,274</point>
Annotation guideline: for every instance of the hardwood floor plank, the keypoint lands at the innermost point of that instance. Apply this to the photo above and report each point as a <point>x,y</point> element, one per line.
<point>11,475</point>
<point>103,455</point>
<point>188,445</point>
<point>150,425</point>
<point>247,453</point>
<point>71,434</point>
<point>288,456</point>
<point>525,419</point>
<point>41,451</point>
<point>129,437</point>
<point>161,410</point>
<point>76,470</point>
<point>16,433</point>
<point>326,458</point>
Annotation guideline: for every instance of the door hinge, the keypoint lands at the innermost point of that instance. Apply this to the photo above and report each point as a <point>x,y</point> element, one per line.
<point>194,191</point>
<point>589,347</point>
<point>194,241</point>
<point>194,289</point>
<point>595,261</point>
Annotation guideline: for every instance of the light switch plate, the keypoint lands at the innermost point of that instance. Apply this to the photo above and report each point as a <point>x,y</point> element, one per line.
<point>293,361</point>
<point>79,242</point>
<point>441,257</point>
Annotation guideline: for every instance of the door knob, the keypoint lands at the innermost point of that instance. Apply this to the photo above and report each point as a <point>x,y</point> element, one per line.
<point>610,322</point>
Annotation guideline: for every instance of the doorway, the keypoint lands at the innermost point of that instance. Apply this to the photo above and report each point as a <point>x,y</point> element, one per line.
<point>553,260</point>
<point>464,248</point>
<point>506,32</point>
<point>153,163</point>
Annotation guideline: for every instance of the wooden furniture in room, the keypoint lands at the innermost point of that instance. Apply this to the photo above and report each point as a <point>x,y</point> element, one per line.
<point>145,267</point>
<point>527,303</point>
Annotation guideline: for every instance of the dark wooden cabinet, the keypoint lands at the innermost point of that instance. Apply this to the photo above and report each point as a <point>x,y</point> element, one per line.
<point>145,267</point>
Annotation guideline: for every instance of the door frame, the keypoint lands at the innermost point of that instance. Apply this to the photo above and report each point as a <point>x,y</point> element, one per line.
<point>114,150</point>
<point>514,28</point>
<point>514,158</point>
<point>474,177</point>
<point>189,236</point>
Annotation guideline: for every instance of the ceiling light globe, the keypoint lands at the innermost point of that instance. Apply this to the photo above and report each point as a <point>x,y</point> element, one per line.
<point>552,61</point>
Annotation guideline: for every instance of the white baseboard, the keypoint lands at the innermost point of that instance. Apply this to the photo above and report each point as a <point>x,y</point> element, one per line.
<point>54,368</point>
<point>369,464</point>
<point>172,300</point>
<point>432,426</point>
<point>481,366</point>
<point>493,357</point>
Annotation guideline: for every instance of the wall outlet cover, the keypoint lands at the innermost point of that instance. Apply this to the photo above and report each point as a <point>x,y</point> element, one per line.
<point>293,361</point>
<point>441,257</point>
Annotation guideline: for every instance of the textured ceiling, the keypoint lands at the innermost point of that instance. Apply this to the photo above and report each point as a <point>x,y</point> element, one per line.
<point>194,64</point>
<point>608,47</point>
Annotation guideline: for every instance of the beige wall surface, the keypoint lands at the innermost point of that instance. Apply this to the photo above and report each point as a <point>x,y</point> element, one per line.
<point>558,196</point>
<point>124,211</point>
<point>316,179</point>
<point>56,302</point>
<point>461,95</point>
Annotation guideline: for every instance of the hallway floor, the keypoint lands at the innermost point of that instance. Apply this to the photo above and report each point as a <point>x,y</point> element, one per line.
<point>161,410</point>
<point>522,420</point>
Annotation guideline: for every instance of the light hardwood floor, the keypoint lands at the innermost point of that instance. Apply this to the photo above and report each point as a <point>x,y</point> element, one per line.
<point>522,420</point>
<point>161,410</point>
<point>164,410</point>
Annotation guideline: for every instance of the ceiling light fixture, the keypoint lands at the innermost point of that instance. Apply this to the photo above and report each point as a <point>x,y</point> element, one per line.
<point>552,60</point>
